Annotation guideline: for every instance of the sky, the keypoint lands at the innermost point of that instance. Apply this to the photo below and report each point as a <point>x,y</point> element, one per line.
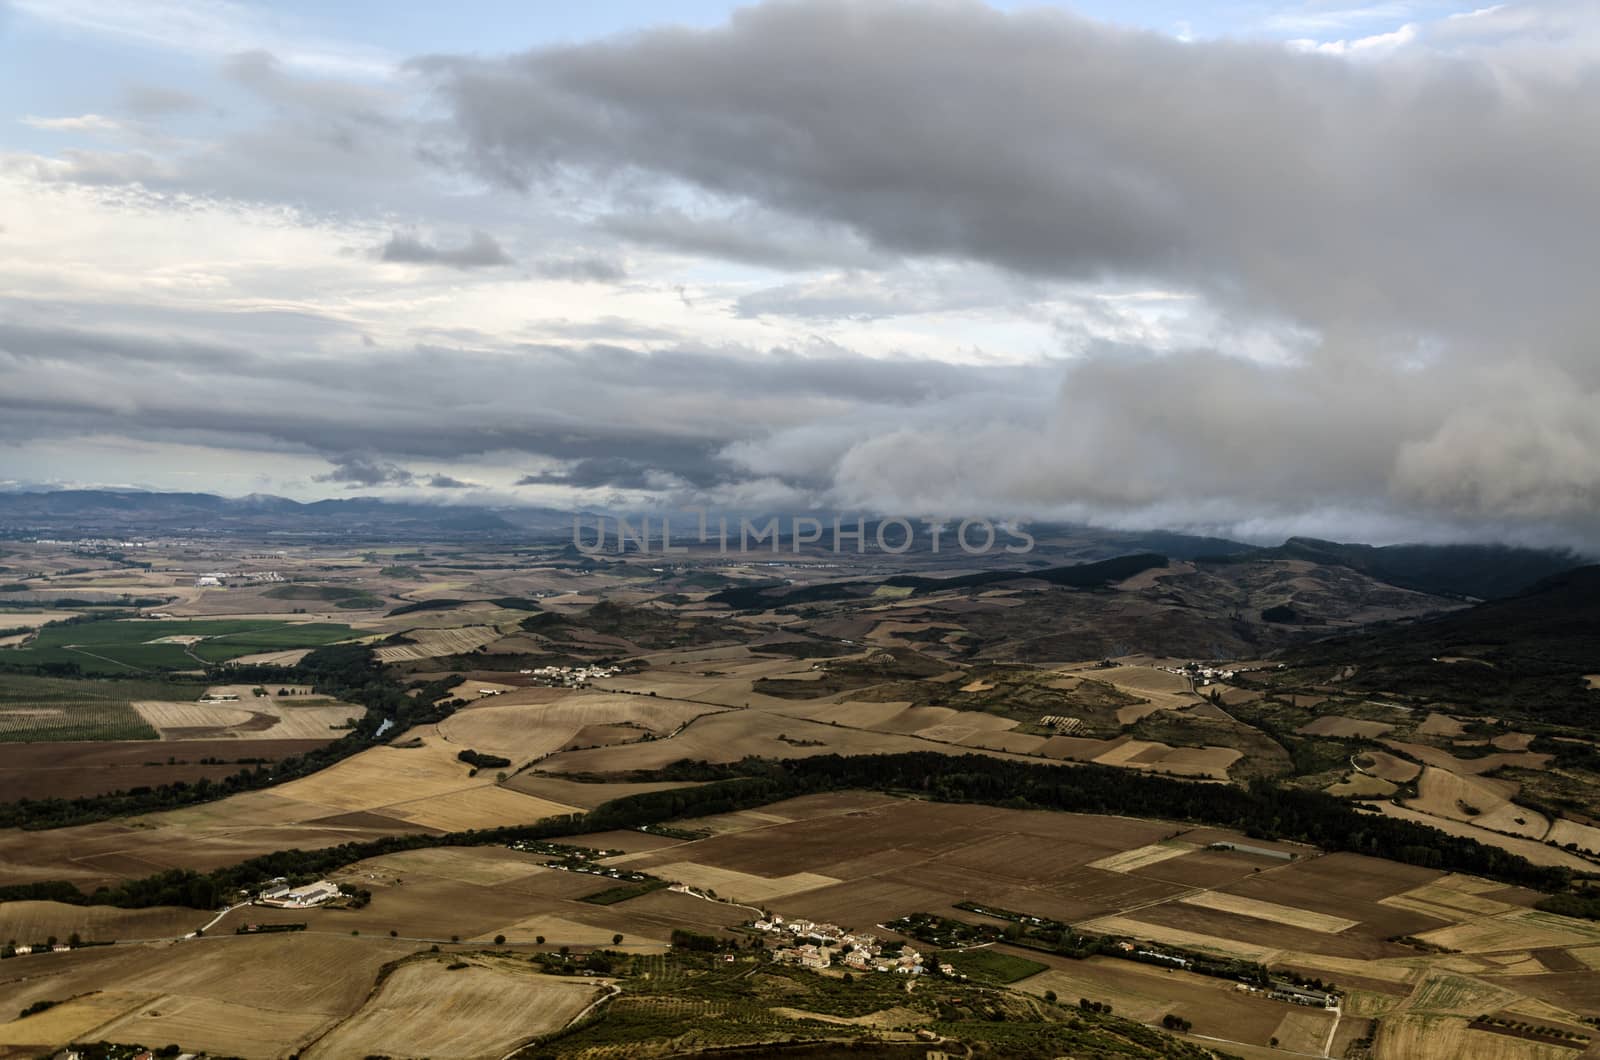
<point>1263,268</point>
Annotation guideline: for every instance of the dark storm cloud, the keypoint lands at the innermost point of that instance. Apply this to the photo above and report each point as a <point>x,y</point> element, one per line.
<point>479,251</point>
<point>1373,196</point>
<point>610,472</point>
<point>448,482</point>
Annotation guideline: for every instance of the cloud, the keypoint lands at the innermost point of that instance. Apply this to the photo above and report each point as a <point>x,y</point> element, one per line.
<point>82,123</point>
<point>358,471</point>
<point>210,28</point>
<point>1062,148</point>
<point>157,101</point>
<point>478,252</point>
<point>592,269</point>
<point>902,256</point>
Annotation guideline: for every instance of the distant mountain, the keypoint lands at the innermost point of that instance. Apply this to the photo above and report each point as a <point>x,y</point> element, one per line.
<point>131,512</point>
<point>1483,572</point>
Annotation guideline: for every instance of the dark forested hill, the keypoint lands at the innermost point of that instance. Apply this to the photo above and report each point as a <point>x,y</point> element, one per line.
<point>1482,571</point>
<point>1527,654</point>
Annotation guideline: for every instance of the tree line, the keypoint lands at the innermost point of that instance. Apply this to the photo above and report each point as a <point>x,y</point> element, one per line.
<point>1262,812</point>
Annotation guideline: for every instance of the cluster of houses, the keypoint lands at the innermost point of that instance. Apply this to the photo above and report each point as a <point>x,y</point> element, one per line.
<point>569,676</point>
<point>212,579</point>
<point>280,895</point>
<point>1202,675</point>
<point>818,946</point>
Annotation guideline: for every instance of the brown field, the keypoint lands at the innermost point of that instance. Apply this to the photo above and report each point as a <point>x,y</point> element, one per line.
<point>1337,725</point>
<point>730,736</point>
<point>432,642</point>
<point>1362,786</point>
<point>380,791</point>
<point>740,886</point>
<point>1441,725</point>
<point>1522,929</point>
<point>1302,1031</point>
<point>30,922</point>
<point>250,717</point>
<point>1468,766</point>
<point>1586,836</point>
<point>1453,899</point>
<point>1278,914</point>
<point>1432,1037</point>
<point>67,1022</point>
<point>1388,767</point>
<point>1445,794</point>
<point>258,996</point>
<point>1593,680</point>
<point>513,728</point>
<point>1146,993</point>
<point>71,770</point>
<point>1141,857</point>
<point>484,1010</point>
<point>1538,853</point>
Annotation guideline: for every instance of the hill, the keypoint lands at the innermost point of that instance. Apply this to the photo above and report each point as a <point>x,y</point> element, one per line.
<point>1483,572</point>
<point>1527,654</point>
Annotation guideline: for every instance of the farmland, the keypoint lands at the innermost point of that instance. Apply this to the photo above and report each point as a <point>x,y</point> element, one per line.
<point>1015,674</point>
<point>429,1008</point>
<point>132,646</point>
<point>862,859</point>
<point>39,709</point>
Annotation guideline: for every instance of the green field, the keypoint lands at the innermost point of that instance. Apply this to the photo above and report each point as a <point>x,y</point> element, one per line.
<point>125,646</point>
<point>336,595</point>
<point>34,709</point>
<point>991,966</point>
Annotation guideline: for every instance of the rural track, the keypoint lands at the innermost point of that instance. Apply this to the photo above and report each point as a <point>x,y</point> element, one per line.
<point>102,658</point>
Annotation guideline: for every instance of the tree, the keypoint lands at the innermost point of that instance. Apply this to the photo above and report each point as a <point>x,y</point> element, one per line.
<point>1050,996</point>
<point>499,940</point>
<point>616,940</point>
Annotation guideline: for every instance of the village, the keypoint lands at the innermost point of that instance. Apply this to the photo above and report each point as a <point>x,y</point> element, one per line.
<point>814,945</point>
<point>569,676</point>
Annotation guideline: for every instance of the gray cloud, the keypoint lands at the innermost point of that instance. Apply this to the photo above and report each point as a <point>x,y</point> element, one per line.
<point>478,252</point>
<point>158,101</point>
<point>587,269</point>
<point>442,481</point>
<point>1290,291</point>
<point>746,235</point>
<point>1061,147</point>
<point>357,471</point>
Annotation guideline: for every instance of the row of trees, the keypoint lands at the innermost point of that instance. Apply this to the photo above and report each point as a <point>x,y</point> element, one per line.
<point>1261,811</point>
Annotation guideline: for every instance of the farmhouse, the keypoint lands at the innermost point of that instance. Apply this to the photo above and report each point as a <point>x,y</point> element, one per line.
<point>285,897</point>
<point>1301,995</point>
